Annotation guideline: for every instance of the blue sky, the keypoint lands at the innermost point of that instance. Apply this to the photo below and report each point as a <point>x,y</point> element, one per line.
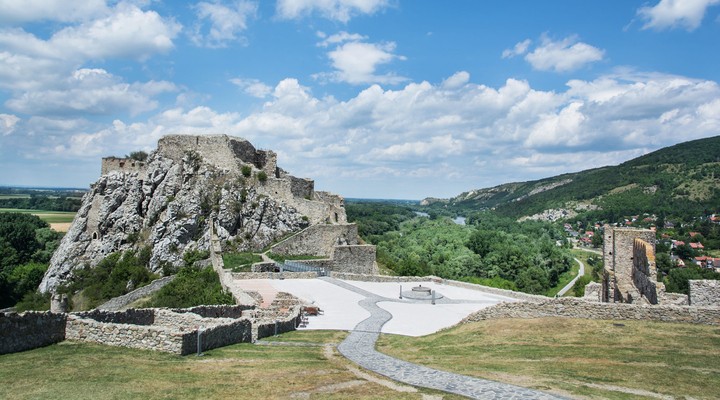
<point>371,98</point>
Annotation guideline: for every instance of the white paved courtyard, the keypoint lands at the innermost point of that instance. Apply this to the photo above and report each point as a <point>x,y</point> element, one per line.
<point>409,317</point>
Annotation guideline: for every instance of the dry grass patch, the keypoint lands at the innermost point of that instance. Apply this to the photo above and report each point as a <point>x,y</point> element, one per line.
<point>607,359</point>
<point>72,370</point>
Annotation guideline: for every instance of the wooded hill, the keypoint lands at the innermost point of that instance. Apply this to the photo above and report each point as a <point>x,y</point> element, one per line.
<point>681,181</point>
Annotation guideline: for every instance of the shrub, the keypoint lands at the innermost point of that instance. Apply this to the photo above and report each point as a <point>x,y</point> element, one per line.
<point>192,287</point>
<point>262,176</point>
<point>246,170</point>
<point>138,156</point>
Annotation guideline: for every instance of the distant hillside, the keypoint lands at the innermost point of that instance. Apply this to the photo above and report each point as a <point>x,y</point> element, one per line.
<point>678,181</point>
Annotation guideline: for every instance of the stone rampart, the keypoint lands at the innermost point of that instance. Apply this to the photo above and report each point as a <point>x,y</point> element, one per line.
<point>644,273</point>
<point>118,303</point>
<point>143,316</point>
<point>110,164</point>
<point>704,293</point>
<point>318,240</point>
<point>20,332</point>
<point>222,151</point>
<point>576,308</point>
<point>356,259</point>
<point>618,257</point>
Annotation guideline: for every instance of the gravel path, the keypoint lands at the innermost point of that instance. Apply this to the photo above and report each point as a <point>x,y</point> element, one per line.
<point>359,347</point>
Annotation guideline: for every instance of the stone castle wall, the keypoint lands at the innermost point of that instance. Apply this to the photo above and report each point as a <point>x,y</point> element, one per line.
<point>222,151</point>
<point>120,302</point>
<point>644,272</point>
<point>110,164</point>
<point>20,332</point>
<point>355,259</point>
<point>318,240</point>
<point>576,308</point>
<point>704,293</point>
<point>618,257</point>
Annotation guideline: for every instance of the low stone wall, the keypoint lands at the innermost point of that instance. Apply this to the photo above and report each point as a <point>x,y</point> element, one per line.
<point>168,331</point>
<point>704,293</point>
<point>145,316</point>
<point>120,302</point>
<point>125,335</point>
<point>274,275</point>
<point>20,332</point>
<point>269,325</point>
<point>219,311</point>
<point>263,267</point>
<point>576,308</point>
<point>430,278</point>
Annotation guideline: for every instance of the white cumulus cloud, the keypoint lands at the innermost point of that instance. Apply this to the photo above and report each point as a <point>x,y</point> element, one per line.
<point>564,55</point>
<point>337,10</point>
<point>519,49</point>
<point>7,123</point>
<point>253,87</point>
<point>20,11</point>
<point>686,14</point>
<point>225,22</point>
<point>358,63</point>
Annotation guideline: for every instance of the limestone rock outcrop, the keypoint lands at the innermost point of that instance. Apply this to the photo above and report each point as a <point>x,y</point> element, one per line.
<point>168,201</point>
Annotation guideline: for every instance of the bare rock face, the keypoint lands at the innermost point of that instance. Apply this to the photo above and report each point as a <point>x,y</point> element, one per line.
<point>169,201</point>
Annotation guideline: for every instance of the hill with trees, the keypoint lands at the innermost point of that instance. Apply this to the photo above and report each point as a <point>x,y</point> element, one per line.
<point>681,181</point>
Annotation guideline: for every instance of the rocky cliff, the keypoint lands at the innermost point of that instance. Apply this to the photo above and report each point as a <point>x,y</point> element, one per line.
<point>168,201</point>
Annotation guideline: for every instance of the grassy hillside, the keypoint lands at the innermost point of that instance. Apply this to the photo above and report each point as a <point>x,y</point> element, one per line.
<point>677,181</point>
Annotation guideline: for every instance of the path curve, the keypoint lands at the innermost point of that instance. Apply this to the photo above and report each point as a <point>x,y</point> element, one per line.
<point>569,286</point>
<point>359,347</point>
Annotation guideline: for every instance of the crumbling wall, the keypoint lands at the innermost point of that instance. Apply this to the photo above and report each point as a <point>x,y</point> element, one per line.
<point>318,240</point>
<point>20,332</point>
<point>618,256</point>
<point>355,259</point>
<point>110,164</point>
<point>704,293</point>
<point>644,272</point>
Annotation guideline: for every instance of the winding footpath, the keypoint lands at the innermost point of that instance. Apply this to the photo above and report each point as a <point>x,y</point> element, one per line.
<point>359,347</point>
<point>569,286</point>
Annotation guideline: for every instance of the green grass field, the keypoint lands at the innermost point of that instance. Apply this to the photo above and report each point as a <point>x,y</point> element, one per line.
<point>72,370</point>
<point>575,357</point>
<point>51,217</point>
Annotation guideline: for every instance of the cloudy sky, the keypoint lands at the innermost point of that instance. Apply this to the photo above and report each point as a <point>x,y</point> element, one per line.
<point>371,98</point>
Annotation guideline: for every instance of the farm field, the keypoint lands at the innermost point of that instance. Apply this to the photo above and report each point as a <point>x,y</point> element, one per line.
<point>58,220</point>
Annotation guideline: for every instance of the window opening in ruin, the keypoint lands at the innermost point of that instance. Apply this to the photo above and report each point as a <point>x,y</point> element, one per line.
<point>336,217</point>
<point>122,164</point>
<point>95,235</point>
<point>197,141</point>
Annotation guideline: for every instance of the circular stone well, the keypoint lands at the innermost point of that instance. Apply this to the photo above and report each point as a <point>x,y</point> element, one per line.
<point>420,293</point>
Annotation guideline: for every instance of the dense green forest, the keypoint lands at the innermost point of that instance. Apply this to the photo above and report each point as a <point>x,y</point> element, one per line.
<point>26,245</point>
<point>490,249</point>
<point>41,202</point>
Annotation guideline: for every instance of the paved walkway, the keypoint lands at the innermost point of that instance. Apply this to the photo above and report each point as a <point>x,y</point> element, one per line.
<point>359,347</point>
<point>569,286</point>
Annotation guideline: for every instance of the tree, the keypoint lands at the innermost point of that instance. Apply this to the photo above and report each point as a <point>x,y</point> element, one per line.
<point>138,156</point>
<point>677,280</point>
<point>597,240</point>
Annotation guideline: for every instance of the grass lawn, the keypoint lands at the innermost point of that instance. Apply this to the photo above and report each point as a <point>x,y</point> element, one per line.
<point>240,262</point>
<point>72,370</point>
<point>51,217</point>
<point>298,257</point>
<point>574,357</point>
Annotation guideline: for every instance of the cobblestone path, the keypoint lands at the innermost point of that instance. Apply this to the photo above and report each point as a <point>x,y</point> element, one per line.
<point>359,347</point>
